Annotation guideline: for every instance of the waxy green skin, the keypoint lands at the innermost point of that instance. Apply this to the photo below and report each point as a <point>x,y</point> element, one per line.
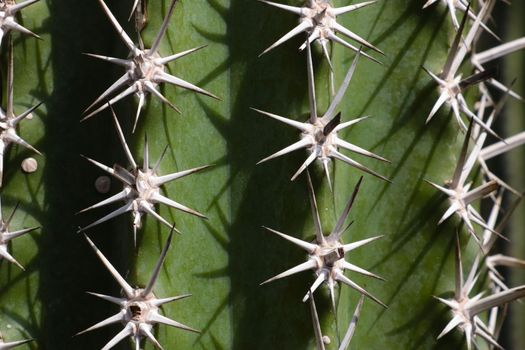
<point>222,260</point>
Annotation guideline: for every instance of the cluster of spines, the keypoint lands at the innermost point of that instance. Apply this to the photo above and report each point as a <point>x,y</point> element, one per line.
<point>466,308</point>
<point>319,136</point>
<point>9,122</point>
<point>139,306</point>
<point>142,184</point>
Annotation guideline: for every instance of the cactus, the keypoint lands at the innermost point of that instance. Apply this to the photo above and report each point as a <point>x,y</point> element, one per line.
<point>222,260</point>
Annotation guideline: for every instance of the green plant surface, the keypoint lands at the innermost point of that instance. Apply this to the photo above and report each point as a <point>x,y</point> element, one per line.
<point>222,260</point>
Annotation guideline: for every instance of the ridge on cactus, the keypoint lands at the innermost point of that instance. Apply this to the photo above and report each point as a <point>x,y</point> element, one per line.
<point>141,186</point>
<point>145,70</point>
<point>326,256</point>
<point>224,259</point>
<point>139,307</point>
